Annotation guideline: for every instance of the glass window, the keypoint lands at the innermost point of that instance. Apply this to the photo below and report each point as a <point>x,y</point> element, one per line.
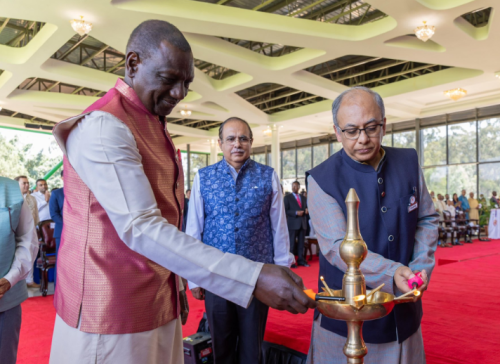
<point>406,139</point>
<point>435,178</point>
<point>198,161</point>
<point>287,184</point>
<point>269,160</point>
<point>335,147</point>
<point>387,140</point>
<point>259,158</point>
<point>220,157</point>
<point>434,145</point>
<point>489,140</point>
<point>462,143</point>
<point>303,161</point>
<point>462,177</point>
<point>489,179</point>
<point>320,154</point>
<point>288,163</point>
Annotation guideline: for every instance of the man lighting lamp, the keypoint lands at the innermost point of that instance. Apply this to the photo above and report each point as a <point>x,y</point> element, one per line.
<point>117,294</point>
<point>398,221</point>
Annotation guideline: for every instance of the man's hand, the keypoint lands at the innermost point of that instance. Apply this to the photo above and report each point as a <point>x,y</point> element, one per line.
<point>47,196</point>
<point>307,211</point>
<point>198,293</point>
<point>184,306</point>
<point>4,286</point>
<point>280,288</point>
<point>300,213</point>
<point>401,277</point>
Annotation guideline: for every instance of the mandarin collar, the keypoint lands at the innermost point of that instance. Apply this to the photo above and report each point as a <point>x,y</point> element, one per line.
<point>245,165</point>
<point>361,167</point>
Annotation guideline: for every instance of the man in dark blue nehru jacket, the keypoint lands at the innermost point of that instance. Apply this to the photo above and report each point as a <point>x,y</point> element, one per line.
<point>398,222</point>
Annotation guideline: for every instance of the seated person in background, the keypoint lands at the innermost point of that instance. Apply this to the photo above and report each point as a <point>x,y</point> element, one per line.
<point>474,207</point>
<point>451,208</point>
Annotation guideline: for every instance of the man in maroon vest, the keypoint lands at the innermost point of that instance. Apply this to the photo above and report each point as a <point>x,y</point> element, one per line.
<point>117,295</point>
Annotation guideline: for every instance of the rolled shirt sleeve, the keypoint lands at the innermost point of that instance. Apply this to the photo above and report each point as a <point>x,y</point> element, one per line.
<point>26,247</point>
<point>103,152</point>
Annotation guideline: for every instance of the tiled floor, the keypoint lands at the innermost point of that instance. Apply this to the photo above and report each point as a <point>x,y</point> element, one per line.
<point>35,292</point>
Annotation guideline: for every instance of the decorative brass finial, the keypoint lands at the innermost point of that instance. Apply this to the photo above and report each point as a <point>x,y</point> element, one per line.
<point>353,251</point>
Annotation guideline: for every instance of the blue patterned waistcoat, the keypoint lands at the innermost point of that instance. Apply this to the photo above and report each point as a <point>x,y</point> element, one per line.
<point>11,201</point>
<point>387,226</point>
<point>237,213</point>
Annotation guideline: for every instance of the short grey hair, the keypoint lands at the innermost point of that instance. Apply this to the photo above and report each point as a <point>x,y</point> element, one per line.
<point>338,101</point>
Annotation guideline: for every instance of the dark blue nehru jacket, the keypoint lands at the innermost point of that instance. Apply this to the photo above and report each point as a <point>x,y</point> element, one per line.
<point>387,226</point>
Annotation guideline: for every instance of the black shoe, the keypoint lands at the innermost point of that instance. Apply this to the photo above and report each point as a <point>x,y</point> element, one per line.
<point>304,265</point>
<point>294,266</point>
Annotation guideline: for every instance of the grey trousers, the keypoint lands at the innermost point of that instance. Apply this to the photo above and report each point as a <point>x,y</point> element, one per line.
<point>10,327</point>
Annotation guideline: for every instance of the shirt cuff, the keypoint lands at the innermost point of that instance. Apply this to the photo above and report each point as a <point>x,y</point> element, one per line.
<point>12,278</point>
<point>251,288</point>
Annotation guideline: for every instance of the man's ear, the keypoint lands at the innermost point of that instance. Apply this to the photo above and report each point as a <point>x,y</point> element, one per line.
<point>337,133</point>
<point>132,62</point>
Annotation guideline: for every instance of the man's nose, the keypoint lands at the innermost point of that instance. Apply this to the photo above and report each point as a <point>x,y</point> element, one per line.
<point>178,92</point>
<point>363,137</point>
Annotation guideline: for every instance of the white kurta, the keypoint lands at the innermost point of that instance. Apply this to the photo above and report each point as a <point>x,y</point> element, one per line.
<point>43,206</point>
<point>103,152</point>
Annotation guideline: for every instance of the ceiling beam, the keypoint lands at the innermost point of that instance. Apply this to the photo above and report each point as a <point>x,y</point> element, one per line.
<point>4,24</point>
<point>94,55</point>
<point>71,49</point>
<point>394,75</point>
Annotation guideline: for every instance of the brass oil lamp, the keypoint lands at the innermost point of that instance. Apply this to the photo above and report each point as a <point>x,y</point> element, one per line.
<point>359,305</point>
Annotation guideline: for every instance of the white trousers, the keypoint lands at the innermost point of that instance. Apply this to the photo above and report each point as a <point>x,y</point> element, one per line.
<point>159,346</point>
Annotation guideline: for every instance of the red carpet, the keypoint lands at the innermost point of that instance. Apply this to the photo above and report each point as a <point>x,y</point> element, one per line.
<point>460,322</point>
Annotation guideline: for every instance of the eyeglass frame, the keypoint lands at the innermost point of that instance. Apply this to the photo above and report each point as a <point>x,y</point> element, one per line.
<point>249,140</point>
<point>360,130</point>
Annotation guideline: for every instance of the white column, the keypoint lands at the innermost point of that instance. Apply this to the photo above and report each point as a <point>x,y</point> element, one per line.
<point>275,150</point>
<point>213,151</point>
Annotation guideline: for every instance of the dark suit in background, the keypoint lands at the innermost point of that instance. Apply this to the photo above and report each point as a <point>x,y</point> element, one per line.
<point>297,225</point>
<point>56,203</point>
<point>185,215</point>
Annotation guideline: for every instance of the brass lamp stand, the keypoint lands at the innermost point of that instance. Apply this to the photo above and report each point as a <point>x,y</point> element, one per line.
<point>356,308</point>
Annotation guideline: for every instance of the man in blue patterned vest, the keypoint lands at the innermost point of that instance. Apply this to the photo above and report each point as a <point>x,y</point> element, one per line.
<point>18,249</point>
<point>398,222</point>
<point>236,206</point>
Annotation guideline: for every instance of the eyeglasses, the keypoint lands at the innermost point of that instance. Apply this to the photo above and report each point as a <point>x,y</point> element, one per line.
<point>242,139</point>
<point>371,131</point>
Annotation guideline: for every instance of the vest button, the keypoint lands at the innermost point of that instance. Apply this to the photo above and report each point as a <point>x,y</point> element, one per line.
<point>383,194</point>
<point>236,199</point>
<point>236,229</point>
<point>391,238</point>
<point>380,181</point>
<point>236,213</point>
<point>384,209</point>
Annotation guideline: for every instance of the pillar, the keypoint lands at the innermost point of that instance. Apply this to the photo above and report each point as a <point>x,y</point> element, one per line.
<point>275,150</point>
<point>213,151</point>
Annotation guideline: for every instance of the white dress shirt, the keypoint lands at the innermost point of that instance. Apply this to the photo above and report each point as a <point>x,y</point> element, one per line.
<point>43,206</point>
<point>26,248</point>
<point>281,239</point>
